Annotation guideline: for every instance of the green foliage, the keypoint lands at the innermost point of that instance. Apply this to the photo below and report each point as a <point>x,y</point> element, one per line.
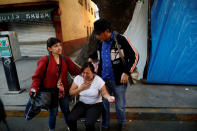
<point>142,1</point>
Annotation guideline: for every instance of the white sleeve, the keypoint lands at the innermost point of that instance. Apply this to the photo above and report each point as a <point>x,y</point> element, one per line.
<point>77,80</point>
<point>100,82</point>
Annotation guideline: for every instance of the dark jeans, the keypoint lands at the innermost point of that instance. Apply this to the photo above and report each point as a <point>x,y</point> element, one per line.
<point>64,105</point>
<point>90,111</point>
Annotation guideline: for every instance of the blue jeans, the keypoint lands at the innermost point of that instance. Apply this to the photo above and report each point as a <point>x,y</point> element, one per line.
<point>64,105</point>
<point>120,101</point>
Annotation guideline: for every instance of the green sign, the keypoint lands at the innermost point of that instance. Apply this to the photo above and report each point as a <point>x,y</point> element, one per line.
<point>38,15</point>
<point>5,50</point>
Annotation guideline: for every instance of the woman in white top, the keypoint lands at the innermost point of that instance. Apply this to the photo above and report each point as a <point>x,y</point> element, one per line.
<point>90,88</point>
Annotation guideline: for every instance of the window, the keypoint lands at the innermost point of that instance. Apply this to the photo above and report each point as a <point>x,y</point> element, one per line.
<point>91,11</point>
<point>95,14</point>
<point>90,30</point>
<point>86,6</point>
<point>80,2</point>
<point>87,31</point>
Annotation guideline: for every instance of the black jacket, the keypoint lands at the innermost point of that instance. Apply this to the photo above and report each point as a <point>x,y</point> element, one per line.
<point>130,56</point>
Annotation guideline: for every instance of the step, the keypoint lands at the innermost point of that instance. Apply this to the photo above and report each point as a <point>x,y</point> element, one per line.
<point>183,114</point>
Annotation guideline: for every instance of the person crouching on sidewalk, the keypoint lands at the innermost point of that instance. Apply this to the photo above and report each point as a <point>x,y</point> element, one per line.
<point>90,88</point>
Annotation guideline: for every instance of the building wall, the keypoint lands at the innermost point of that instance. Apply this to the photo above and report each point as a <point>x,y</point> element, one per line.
<point>75,19</point>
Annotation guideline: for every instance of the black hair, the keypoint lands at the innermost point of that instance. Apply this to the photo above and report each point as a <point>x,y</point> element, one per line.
<point>86,65</point>
<point>52,41</point>
<point>101,25</point>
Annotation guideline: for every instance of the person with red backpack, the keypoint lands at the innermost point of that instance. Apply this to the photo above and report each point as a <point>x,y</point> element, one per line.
<point>54,79</point>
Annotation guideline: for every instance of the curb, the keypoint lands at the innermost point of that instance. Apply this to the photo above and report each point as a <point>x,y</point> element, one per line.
<point>182,114</point>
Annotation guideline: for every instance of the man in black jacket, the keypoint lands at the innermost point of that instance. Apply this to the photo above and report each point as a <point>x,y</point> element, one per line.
<point>112,69</point>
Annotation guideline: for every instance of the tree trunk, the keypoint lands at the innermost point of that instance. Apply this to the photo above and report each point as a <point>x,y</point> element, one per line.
<point>118,12</point>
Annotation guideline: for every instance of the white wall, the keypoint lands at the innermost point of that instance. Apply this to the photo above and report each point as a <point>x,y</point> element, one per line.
<point>137,33</point>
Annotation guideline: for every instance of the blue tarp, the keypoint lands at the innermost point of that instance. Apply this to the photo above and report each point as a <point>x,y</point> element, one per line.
<point>173,58</point>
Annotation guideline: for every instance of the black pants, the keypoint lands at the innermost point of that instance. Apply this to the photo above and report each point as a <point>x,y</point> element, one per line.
<point>90,111</point>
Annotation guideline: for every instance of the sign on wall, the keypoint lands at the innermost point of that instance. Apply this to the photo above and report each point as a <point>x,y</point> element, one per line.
<point>38,15</point>
<point>5,50</point>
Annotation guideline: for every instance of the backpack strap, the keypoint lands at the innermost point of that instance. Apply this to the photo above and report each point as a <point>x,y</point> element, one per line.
<point>119,51</point>
<point>62,56</point>
<point>60,69</point>
<point>69,76</point>
<point>121,56</point>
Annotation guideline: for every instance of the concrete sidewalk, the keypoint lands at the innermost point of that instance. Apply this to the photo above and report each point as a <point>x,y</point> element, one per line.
<point>144,101</point>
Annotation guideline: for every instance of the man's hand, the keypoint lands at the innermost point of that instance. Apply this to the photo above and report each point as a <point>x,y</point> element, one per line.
<point>124,78</point>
